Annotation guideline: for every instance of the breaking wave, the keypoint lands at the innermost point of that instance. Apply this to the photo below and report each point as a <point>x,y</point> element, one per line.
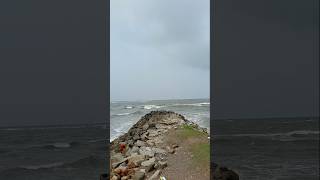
<point>194,104</point>
<point>152,106</point>
<point>123,114</point>
<point>126,113</point>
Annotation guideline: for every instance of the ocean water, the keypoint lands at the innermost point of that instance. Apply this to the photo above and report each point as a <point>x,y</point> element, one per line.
<point>125,114</point>
<point>57,153</point>
<point>268,149</point>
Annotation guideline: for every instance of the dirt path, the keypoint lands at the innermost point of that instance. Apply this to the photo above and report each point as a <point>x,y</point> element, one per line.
<point>191,160</point>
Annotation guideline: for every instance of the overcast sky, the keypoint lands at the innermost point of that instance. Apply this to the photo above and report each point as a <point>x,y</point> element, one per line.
<point>159,49</point>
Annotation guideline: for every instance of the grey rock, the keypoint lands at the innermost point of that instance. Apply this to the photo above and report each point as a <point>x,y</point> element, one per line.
<point>155,175</point>
<point>124,178</point>
<point>144,137</point>
<point>161,126</point>
<point>162,164</point>
<point>114,177</point>
<point>117,159</point>
<point>138,175</point>
<point>130,142</point>
<point>150,142</point>
<point>136,159</point>
<point>158,140</point>
<point>140,143</point>
<point>136,137</point>
<point>170,150</point>
<point>149,164</point>
<point>153,133</point>
<point>161,157</point>
<point>134,149</point>
<point>145,127</point>
<point>146,151</point>
<point>159,150</point>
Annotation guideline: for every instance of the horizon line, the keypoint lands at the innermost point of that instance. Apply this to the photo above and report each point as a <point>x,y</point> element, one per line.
<point>138,100</point>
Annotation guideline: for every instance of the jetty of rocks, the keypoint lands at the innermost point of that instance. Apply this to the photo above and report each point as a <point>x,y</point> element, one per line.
<point>141,152</point>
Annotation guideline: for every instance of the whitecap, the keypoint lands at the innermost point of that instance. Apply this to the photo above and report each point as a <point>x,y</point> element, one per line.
<point>123,114</point>
<point>152,106</point>
<point>62,145</point>
<point>43,166</point>
<point>194,104</point>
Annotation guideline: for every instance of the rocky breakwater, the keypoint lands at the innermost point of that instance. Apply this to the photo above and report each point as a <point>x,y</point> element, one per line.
<point>146,152</point>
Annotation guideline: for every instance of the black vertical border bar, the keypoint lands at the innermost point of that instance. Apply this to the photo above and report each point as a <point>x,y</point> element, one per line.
<point>107,75</point>
<point>316,65</point>
<point>212,80</point>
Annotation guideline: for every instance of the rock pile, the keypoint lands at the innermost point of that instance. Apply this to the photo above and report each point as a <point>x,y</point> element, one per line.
<point>140,154</point>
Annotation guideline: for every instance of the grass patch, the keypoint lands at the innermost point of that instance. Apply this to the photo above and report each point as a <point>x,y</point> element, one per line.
<point>196,140</point>
<point>201,153</point>
<point>187,131</point>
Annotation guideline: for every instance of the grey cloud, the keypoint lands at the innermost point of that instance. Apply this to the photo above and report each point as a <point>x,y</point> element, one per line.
<point>166,41</point>
<point>179,29</point>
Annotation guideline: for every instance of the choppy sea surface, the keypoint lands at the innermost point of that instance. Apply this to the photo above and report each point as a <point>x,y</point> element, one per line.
<point>268,149</point>
<point>53,153</point>
<point>124,114</point>
<point>258,149</point>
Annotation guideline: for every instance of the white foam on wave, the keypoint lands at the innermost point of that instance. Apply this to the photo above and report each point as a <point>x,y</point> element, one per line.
<point>123,114</point>
<point>43,166</point>
<point>303,132</point>
<point>96,140</point>
<point>128,107</point>
<point>120,130</point>
<point>11,129</point>
<point>62,145</point>
<point>288,136</point>
<point>193,104</point>
<point>151,106</point>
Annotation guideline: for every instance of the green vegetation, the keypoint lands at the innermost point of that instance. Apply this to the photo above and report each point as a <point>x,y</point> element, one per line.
<point>201,152</point>
<point>187,131</point>
<point>198,143</point>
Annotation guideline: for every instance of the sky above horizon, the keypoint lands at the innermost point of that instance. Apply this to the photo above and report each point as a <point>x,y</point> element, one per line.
<point>159,49</point>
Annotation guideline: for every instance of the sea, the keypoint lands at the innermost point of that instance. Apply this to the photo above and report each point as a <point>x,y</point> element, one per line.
<point>53,152</point>
<point>257,149</point>
<point>124,114</point>
<point>268,149</point>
